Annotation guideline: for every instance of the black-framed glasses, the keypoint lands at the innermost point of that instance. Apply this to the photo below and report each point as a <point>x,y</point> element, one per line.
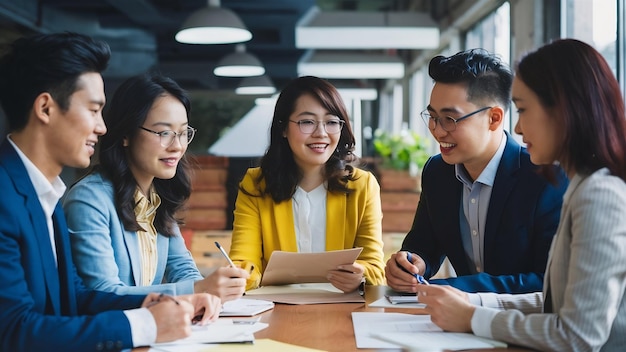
<point>446,122</point>
<point>167,137</point>
<point>309,126</point>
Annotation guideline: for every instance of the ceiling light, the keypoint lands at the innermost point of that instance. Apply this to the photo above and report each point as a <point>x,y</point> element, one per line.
<point>239,64</point>
<point>366,30</point>
<point>351,65</point>
<point>213,25</point>
<point>256,85</point>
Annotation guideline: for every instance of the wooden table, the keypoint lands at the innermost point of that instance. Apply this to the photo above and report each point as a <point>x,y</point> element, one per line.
<point>327,327</point>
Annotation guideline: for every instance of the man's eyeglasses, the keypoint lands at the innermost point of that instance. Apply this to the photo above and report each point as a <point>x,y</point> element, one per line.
<point>309,126</point>
<point>446,122</point>
<point>167,137</point>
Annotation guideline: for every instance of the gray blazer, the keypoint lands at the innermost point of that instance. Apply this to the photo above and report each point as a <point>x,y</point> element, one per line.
<point>586,277</point>
<point>107,256</point>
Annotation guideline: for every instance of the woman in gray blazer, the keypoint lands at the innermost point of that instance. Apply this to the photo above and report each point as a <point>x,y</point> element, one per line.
<point>571,111</point>
<point>122,216</point>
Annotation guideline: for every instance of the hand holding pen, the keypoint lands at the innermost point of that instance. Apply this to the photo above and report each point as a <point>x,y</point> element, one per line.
<point>420,279</point>
<point>227,282</point>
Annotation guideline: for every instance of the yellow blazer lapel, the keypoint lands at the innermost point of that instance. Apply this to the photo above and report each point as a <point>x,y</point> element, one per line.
<point>283,218</point>
<point>335,221</point>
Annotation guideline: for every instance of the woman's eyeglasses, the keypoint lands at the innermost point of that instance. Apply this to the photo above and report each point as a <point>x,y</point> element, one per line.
<point>309,126</point>
<point>167,137</point>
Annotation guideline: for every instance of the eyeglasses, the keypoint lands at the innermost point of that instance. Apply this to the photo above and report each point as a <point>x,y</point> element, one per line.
<point>167,137</point>
<point>309,126</point>
<point>447,123</point>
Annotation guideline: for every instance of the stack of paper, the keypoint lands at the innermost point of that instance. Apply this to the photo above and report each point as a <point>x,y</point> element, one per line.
<point>221,331</point>
<point>393,330</point>
<point>245,307</point>
<point>309,293</point>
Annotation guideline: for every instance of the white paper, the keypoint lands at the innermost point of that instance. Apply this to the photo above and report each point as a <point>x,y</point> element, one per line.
<point>309,293</point>
<point>245,307</point>
<point>293,268</point>
<point>367,323</point>
<point>221,331</point>
<point>393,330</point>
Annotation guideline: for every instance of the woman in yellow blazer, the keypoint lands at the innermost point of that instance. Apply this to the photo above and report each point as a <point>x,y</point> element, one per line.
<point>306,196</point>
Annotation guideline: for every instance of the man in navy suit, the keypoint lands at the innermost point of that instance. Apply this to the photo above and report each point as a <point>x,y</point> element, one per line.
<point>483,204</point>
<point>52,93</point>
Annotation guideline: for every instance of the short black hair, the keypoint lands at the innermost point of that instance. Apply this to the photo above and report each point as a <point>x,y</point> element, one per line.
<point>46,63</point>
<point>486,76</point>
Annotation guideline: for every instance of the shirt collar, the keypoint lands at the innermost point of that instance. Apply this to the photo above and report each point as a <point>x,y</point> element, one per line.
<point>488,175</point>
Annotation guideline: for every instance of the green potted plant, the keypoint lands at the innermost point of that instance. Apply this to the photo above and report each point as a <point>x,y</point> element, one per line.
<point>406,150</point>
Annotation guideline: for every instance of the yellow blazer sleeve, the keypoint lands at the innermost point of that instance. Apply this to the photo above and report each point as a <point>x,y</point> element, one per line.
<point>247,242</point>
<point>364,225</point>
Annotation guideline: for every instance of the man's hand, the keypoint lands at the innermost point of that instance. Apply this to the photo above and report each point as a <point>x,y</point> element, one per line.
<point>172,317</point>
<point>398,272</point>
<point>227,283</point>
<point>346,277</point>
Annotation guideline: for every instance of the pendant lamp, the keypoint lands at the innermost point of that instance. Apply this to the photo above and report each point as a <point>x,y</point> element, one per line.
<point>239,64</point>
<point>256,85</point>
<point>213,25</point>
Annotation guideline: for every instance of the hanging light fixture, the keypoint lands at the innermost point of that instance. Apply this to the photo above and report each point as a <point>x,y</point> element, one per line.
<point>256,85</point>
<point>239,64</point>
<point>213,25</point>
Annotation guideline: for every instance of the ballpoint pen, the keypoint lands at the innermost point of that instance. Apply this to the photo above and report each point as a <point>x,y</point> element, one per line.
<point>162,296</point>
<point>225,254</point>
<point>420,278</point>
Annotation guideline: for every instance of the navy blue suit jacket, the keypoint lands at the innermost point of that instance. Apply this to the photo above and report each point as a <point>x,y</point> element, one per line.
<point>43,308</point>
<point>522,218</point>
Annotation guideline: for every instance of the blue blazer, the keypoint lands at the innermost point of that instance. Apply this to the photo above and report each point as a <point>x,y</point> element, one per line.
<point>522,218</point>
<point>107,256</point>
<point>43,308</point>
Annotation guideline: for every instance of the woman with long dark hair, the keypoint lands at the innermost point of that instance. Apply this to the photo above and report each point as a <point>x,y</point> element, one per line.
<point>122,216</point>
<point>307,196</point>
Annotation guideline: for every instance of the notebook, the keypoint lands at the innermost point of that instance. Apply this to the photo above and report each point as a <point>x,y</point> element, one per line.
<point>245,307</point>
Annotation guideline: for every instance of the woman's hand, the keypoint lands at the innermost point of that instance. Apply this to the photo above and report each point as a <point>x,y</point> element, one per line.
<point>206,307</point>
<point>346,277</point>
<point>449,308</point>
<point>227,283</point>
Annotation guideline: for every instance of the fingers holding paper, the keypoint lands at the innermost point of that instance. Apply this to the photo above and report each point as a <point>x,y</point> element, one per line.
<point>346,277</point>
<point>448,307</point>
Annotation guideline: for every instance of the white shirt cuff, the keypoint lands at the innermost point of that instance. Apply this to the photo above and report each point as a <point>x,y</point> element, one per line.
<point>143,328</point>
<point>481,321</point>
<point>475,299</point>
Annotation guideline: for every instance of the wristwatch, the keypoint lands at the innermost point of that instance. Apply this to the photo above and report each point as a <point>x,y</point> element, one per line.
<point>362,286</point>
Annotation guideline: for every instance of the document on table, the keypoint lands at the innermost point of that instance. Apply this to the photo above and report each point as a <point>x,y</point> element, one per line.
<point>285,268</point>
<point>220,331</point>
<point>245,307</point>
<point>393,330</point>
<point>308,293</point>
<point>258,345</point>
<point>394,299</point>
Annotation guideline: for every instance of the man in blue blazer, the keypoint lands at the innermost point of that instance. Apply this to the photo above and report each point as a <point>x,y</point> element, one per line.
<point>483,203</point>
<point>52,93</point>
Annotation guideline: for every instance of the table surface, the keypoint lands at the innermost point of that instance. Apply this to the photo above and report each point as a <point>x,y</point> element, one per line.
<point>327,327</point>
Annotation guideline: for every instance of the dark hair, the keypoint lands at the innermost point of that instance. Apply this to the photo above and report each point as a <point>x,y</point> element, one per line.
<point>127,112</point>
<point>278,166</point>
<point>46,63</point>
<point>574,79</point>
<point>486,76</point>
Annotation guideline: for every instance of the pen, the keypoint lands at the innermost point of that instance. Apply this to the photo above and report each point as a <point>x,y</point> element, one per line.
<point>420,278</point>
<point>161,296</point>
<point>225,254</point>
